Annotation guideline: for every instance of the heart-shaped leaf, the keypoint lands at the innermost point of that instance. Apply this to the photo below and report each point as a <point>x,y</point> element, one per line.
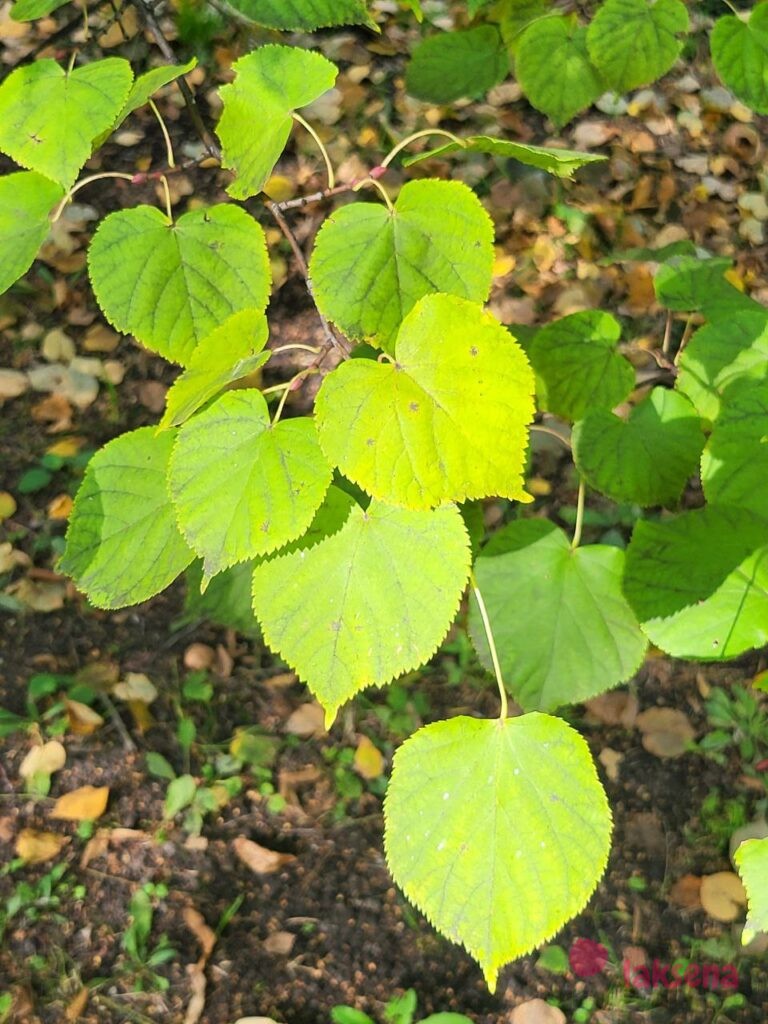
<point>647,459</point>
<point>699,582</point>
<point>123,545</point>
<point>554,68</point>
<point>26,199</point>
<point>244,487</point>
<point>563,629</point>
<point>634,42</point>
<point>49,117</point>
<point>426,429</point>
<point>270,83</point>
<point>371,265</point>
<point>740,55</point>
<point>577,366</point>
<point>170,284</point>
<point>385,589</point>
<point>734,465</point>
<point>751,859</point>
<point>498,831</point>
<point>230,352</point>
<point>445,67</point>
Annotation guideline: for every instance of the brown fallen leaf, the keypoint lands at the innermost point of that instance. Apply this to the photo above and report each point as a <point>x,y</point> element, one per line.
<point>536,1011</point>
<point>279,943</point>
<point>44,759</point>
<point>84,804</point>
<point>82,719</point>
<point>76,1007</point>
<point>307,721</point>
<point>60,507</point>
<point>100,338</point>
<point>12,384</point>
<point>39,595</point>
<point>611,760</point>
<point>686,892</point>
<point>722,895</point>
<point>205,935</point>
<point>258,858</point>
<point>369,761</point>
<point>197,985</point>
<point>135,687</point>
<point>96,847</point>
<point>199,657</point>
<point>666,731</point>
<point>36,847</point>
<point>619,707</point>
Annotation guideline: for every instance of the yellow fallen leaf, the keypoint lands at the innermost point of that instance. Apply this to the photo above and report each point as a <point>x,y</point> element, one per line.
<point>503,264</point>
<point>66,447</point>
<point>44,759</point>
<point>136,686</point>
<point>82,719</point>
<point>60,507</point>
<point>7,505</point>
<point>35,847</point>
<point>83,804</point>
<point>369,761</point>
<point>75,1008</point>
<point>722,895</point>
<point>279,188</point>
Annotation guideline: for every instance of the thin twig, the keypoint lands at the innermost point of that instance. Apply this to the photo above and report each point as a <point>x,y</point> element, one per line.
<point>117,722</point>
<point>151,23</point>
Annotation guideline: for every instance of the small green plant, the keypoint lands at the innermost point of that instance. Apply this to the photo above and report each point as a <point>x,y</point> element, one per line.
<point>46,707</point>
<point>399,1010</point>
<point>143,958</point>
<point>740,723</point>
<point>41,899</point>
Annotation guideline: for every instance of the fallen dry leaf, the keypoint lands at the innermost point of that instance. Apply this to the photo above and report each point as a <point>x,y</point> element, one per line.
<point>279,943</point>
<point>44,759</point>
<point>136,687</point>
<point>536,1011</point>
<point>96,847</point>
<point>611,760</point>
<point>60,507</point>
<point>82,719</point>
<point>722,895</point>
<point>307,721</point>
<point>369,761</point>
<point>258,858</point>
<point>7,505</point>
<point>75,1008</point>
<point>39,595</point>
<point>666,731</point>
<point>197,985</point>
<point>35,847</point>
<point>84,804</point>
<point>100,338</point>
<point>12,384</point>
<point>205,935</point>
<point>686,892</point>
<point>199,657</point>
<point>619,707</point>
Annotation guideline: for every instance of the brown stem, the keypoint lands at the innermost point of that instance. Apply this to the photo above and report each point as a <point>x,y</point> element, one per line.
<point>153,27</point>
<point>327,193</point>
<point>331,340</point>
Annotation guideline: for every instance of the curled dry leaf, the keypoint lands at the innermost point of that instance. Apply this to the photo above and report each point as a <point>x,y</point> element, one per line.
<point>619,707</point>
<point>136,687</point>
<point>258,858</point>
<point>686,892</point>
<point>36,847</point>
<point>83,804</point>
<point>666,731</point>
<point>75,1008</point>
<point>722,895</point>
<point>39,595</point>
<point>197,984</point>
<point>307,721</point>
<point>82,719</point>
<point>197,924</point>
<point>44,759</point>
<point>60,507</point>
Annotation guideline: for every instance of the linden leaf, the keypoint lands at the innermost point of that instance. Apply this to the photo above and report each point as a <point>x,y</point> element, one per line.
<point>233,350</point>
<point>751,859</point>
<point>370,265</point>
<point>122,542</point>
<point>734,464</point>
<point>146,85</point>
<point>270,83</point>
<point>385,589</point>
<point>49,117</point>
<point>169,284</point>
<point>305,15</point>
<point>576,636</point>
<point>498,831</point>
<point>634,42</point>
<point>450,65</point>
<point>719,354</point>
<point>553,67</point>
<point>646,459</point>
<point>561,162</point>
<point>428,428</point>
<point>26,199</point>
<point>83,804</point>
<point>577,366</point>
<point>740,55</point>
<point>244,487</point>
<point>699,582</point>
